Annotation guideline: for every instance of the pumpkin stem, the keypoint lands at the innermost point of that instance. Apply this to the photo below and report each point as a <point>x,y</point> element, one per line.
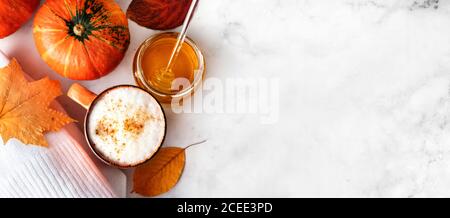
<point>78,30</point>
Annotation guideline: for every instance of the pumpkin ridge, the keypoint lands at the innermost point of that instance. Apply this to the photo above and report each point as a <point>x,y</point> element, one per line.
<point>109,42</point>
<point>96,8</point>
<point>117,35</point>
<point>68,8</point>
<point>97,72</point>
<point>69,53</point>
<point>53,47</point>
<point>104,15</point>
<point>96,20</point>
<point>54,13</point>
<point>47,30</point>
<point>110,27</point>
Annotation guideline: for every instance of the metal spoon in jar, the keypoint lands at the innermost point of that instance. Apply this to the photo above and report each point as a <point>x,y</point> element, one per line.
<point>164,77</point>
<point>181,35</point>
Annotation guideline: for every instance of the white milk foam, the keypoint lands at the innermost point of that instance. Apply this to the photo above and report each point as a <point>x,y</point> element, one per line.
<point>126,126</point>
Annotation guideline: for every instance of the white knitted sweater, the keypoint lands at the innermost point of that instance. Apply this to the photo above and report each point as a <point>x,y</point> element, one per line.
<point>62,170</point>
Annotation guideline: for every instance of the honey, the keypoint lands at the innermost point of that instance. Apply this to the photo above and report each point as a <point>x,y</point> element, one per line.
<point>151,63</point>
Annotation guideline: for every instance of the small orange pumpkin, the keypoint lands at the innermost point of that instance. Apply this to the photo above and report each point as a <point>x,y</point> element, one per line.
<point>81,39</point>
<point>14,13</point>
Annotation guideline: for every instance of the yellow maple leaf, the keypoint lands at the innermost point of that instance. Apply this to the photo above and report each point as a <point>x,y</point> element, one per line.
<point>24,107</point>
<point>160,173</point>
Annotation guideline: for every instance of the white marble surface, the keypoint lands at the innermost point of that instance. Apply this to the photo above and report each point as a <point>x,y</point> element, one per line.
<point>364,98</point>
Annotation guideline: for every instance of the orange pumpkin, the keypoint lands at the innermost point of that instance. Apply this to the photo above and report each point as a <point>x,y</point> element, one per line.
<point>81,39</point>
<point>14,13</point>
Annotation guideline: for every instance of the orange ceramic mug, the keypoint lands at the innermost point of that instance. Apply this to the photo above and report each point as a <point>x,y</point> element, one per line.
<point>124,125</point>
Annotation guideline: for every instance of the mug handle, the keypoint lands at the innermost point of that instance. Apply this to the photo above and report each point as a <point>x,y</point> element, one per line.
<point>81,95</point>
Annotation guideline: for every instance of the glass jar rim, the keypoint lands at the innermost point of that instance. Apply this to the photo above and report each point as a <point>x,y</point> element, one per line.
<point>139,72</point>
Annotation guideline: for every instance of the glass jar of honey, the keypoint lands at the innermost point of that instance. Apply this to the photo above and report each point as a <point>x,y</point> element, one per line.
<point>152,58</point>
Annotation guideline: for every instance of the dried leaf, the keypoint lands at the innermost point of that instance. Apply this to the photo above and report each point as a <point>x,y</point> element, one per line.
<point>161,173</point>
<point>24,112</point>
<point>158,14</point>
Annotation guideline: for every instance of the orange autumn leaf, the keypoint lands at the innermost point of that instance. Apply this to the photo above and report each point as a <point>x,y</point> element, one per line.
<point>161,173</point>
<point>24,112</point>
